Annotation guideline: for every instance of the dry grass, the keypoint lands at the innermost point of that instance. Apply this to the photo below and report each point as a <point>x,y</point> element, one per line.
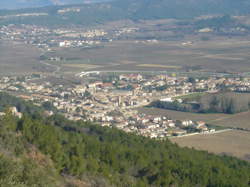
<point>17,58</point>
<point>241,120</point>
<point>215,55</point>
<point>181,115</point>
<point>222,57</point>
<point>158,66</point>
<point>234,143</point>
<point>82,66</point>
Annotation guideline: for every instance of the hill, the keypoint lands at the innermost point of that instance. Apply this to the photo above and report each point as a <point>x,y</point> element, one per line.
<point>125,9</point>
<point>62,152</point>
<point>182,9</point>
<point>17,4</point>
<point>14,4</point>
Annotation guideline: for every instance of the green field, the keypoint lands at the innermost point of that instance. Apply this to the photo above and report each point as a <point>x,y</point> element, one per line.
<point>191,96</point>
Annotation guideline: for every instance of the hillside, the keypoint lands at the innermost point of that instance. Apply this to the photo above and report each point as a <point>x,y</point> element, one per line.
<point>13,4</point>
<point>182,9</point>
<point>17,4</point>
<point>62,152</point>
<point>125,9</point>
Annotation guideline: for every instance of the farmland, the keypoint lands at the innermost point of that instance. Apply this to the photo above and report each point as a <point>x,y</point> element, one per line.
<point>17,58</point>
<point>234,143</point>
<point>222,55</point>
<point>217,55</point>
<point>240,120</point>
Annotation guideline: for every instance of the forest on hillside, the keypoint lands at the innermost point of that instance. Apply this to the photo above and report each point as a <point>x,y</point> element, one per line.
<point>57,152</point>
<point>97,13</point>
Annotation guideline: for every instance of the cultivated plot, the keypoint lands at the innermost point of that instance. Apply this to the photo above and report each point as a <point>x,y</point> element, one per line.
<point>18,58</point>
<point>234,143</point>
<point>240,120</point>
<point>229,55</point>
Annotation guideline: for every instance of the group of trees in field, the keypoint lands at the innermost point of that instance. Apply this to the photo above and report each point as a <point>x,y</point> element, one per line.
<point>104,157</point>
<point>228,102</point>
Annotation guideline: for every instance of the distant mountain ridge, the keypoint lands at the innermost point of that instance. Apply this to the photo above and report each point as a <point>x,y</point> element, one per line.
<point>17,4</point>
<point>113,10</point>
<point>144,7</point>
<point>148,9</point>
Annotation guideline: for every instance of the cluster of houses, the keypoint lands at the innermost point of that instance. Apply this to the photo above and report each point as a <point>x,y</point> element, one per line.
<point>114,103</point>
<point>13,111</point>
<point>162,126</point>
<point>50,39</point>
<point>67,10</point>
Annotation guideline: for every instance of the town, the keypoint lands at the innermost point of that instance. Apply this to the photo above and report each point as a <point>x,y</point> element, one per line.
<point>47,39</point>
<point>112,99</point>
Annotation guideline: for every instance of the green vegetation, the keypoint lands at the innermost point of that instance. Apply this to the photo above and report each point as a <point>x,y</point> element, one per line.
<point>216,22</point>
<point>228,103</point>
<point>7,100</point>
<point>190,96</point>
<point>21,164</point>
<point>109,156</point>
<point>48,106</point>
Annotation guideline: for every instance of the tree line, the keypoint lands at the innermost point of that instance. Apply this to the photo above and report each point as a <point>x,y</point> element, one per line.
<point>228,102</point>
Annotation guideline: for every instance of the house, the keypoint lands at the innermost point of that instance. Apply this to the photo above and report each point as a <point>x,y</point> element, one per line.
<point>168,99</point>
<point>157,119</point>
<point>131,77</point>
<point>105,124</point>
<point>200,123</point>
<point>15,112</point>
<point>205,30</point>
<point>171,124</point>
<point>184,123</point>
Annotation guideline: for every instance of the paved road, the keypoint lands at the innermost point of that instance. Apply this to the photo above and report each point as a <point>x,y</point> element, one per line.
<point>193,134</point>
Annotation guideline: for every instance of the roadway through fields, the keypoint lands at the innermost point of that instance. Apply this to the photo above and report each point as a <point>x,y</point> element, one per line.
<point>210,133</point>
